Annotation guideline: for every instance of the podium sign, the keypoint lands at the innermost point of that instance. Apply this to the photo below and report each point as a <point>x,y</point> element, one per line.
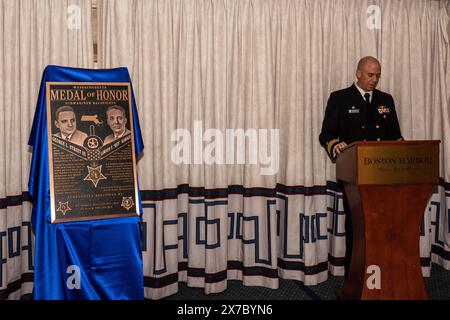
<point>388,186</point>
<point>410,162</point>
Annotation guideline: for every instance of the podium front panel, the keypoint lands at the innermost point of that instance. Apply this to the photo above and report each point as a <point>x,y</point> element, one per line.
<point>398,164</point>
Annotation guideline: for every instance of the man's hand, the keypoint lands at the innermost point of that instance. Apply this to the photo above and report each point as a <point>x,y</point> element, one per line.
<point>339,147</point>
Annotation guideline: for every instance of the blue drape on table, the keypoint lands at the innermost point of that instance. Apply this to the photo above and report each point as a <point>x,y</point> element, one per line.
<point>108,252</point>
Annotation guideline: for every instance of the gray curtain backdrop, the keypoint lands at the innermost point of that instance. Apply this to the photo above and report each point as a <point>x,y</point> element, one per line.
<point>33,34</point>
<point>250,65</point>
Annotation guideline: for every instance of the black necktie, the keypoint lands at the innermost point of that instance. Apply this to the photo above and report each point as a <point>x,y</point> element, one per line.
<point>367,97</point>
<point>365,112</point>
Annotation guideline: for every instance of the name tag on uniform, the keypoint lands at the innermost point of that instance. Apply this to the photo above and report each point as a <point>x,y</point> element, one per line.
<point>353,110</point>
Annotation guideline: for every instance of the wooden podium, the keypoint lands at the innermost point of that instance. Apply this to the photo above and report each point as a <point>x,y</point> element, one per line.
<point>388,185</point>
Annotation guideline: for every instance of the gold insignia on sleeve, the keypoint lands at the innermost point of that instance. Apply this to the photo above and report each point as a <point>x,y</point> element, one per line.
<point>330,145</point>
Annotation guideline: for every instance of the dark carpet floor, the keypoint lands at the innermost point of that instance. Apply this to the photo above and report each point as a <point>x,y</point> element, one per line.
<point>438,286</point>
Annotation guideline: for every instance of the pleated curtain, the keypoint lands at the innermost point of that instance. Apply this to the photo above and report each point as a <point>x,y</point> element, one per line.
<point>33,34</point>
<point>251,65</point>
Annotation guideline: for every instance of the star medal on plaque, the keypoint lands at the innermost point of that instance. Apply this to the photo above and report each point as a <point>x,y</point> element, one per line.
<point>63,207</point>
<point>95,175</point>
<point>127,202</point>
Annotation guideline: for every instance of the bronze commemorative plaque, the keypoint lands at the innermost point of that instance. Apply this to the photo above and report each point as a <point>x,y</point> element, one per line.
<point>91,151</point>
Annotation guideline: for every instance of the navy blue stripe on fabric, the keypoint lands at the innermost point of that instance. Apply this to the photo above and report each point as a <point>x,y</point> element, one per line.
<point>337,262</point>
<point>425,262</point>
<point>334,186</point>
<point>233,265</point>
<point>307,191</point>
<point>161,282</point>
<point>444,184</point>
<point>11,201</point>
<point>440,252</point>
<point>15,285</point>
<point>300,266</point>
<point>158,195</point>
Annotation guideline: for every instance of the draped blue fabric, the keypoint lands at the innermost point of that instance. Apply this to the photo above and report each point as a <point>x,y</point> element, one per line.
<point>108,252</point>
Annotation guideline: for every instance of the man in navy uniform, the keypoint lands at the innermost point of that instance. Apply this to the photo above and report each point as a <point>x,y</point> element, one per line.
<point>358,113</point>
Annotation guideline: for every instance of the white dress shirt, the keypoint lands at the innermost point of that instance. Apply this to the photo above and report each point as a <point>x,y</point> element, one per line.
<point>364,92</point>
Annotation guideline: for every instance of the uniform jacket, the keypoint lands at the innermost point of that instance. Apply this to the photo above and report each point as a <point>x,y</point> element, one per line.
<point>348,118</point>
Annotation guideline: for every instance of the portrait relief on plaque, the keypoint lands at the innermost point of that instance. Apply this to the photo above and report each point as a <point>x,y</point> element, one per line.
<point>91,151</point>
